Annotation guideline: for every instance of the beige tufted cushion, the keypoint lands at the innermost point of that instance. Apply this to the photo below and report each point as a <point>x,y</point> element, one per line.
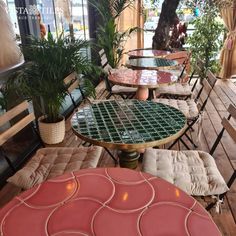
<point>51,162</point>
<point>123,89</point>
<point>188,107</point>
<point>195,172</point>
<point>175,89</point>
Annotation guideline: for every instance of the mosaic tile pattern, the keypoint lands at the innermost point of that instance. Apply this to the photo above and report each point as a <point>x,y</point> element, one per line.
<point>152,62</point>
<point>128,121</point>
<point>148,53</point>
<point>105,202</point>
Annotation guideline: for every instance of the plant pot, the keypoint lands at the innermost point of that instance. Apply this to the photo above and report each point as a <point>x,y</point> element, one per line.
<point>51,133</point>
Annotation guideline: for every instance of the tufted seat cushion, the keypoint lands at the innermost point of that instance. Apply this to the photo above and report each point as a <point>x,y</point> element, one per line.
<point>51,162</point>
<point>123,89</point>
<point>195,172</point>
<point>188,107</point>
<point>178,89</point>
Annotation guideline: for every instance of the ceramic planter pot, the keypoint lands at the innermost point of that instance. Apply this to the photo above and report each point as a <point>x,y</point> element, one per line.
<point>51,133</point>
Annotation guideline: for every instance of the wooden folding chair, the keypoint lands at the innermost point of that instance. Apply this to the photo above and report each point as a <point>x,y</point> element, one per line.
<point>72,83</point>
<point>190,107</point>
<point>47,162</point>
<point>113,90</point>
<point>193,171</point>
<point>11,131</point>
<point>181,90</point>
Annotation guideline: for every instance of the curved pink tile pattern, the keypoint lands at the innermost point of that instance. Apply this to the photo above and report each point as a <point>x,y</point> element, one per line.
<point>142,78</point>
<point>105,202</point>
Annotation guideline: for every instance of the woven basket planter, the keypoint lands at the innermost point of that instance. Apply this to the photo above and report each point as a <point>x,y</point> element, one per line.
<point>51,133</point>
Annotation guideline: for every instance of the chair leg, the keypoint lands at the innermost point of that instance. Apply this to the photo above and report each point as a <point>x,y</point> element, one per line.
<point>111,155</point>
<point>86,144</point>
<point>191,141</point>
<point>132,95</point>
<point>182,141</point>
<point>73,101</point>
<point>109,95</point>
<point>221,197</point>
<point>7,160</point>
<point>185,132</point>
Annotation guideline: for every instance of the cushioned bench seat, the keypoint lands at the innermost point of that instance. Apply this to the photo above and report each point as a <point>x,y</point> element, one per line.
<point>51,162</point>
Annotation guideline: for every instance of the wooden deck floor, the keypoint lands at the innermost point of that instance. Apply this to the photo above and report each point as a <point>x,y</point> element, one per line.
<point>223,95</point>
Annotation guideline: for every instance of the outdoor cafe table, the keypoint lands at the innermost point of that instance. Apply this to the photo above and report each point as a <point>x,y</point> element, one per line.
<point>128,125</point>
<point>105,202</point>
<point>137,53</point>
<point>152,64</point>
<point>144,80</point>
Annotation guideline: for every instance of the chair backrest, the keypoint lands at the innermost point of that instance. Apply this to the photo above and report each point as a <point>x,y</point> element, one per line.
<point>106,67</point>
<point>198,67</point>
<point>227,125</point>
<point>232,133</point>
<point>19,125</point>
<point>72,83</point>
<point>104,62</point>
<point>184,59</point>
<point>208,84</point>
<point>180,56</point>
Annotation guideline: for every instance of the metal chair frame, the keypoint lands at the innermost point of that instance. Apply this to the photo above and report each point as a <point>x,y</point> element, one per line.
<point>198,67</point>
<point>228,127</point>
<point>210,81</point>
<point>106,67</point>
<point>13,130</point>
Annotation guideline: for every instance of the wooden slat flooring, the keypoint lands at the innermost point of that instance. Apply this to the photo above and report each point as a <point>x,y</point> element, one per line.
<point>224,94</point>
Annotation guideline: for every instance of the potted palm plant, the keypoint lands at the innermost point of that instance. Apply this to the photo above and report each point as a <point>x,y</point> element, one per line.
<point>42,80</point>
<point>109,37</point>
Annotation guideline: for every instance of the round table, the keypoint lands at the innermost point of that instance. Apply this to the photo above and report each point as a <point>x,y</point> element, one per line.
<point>137,53</point>
<point>152,63</point>
<point>144,80</point>
<point>105,202</point>
<point>128,125</point>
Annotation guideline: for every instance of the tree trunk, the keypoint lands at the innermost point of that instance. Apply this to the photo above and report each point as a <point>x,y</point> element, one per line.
<point>167,19</point>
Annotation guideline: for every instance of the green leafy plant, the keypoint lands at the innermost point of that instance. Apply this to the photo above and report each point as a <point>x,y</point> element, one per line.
<point>7,95</point>
<point>90,78</point>
<point>205,42</point>
<point>109,37</point>
<point>42,77</point>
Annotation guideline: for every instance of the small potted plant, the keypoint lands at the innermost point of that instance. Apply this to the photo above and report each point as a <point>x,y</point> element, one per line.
<point>41,79</point>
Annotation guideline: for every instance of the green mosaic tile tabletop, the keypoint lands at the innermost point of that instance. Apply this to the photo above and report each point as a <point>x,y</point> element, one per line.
<point>152,63</point>
<point>127,122</point>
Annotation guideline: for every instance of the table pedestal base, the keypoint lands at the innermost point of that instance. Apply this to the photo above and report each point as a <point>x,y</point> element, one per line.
<point>128,158</point>
<point>142,94</point>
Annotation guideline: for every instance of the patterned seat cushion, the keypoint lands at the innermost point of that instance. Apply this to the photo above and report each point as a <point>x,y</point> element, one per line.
<point>188,107</point>
<point>51,162</point>
<point>195,172</point>
<point>178,89</point>
<point>123,89</point>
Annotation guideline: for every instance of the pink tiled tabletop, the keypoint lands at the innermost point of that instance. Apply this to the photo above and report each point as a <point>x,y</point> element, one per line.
<point>141,78</point>
<point>105,202</point>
